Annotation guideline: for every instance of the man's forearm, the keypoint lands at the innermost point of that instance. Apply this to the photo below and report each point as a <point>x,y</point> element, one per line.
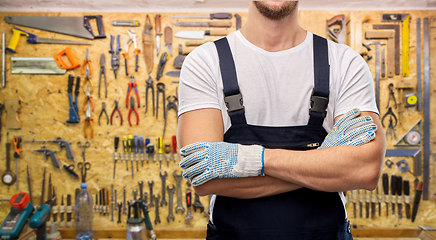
<point>245,188</point>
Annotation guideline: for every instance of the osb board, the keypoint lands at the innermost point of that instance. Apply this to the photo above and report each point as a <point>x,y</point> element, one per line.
<point>44,111</point>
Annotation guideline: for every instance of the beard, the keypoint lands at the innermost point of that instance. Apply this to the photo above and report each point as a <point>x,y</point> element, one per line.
<point>276,13</point>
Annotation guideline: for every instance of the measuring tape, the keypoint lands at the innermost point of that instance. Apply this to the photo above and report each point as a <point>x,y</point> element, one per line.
<point>413,137</point>
<point>411,99</point>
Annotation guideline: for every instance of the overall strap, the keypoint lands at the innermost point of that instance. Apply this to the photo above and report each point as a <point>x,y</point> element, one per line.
<point>320,95</point>
<point>232,95</point>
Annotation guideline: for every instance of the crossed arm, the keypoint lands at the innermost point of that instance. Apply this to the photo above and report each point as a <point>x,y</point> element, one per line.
<point>330,169</point>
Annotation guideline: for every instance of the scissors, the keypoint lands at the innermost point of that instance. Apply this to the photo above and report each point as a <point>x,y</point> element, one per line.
<point>85,166</point>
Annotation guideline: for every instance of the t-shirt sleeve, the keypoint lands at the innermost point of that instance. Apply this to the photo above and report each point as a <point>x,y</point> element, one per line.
<point>356,88</point>
<point>197,84</point>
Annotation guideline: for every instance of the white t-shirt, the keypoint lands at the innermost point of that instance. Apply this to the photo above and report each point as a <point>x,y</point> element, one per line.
<point>276,86</point>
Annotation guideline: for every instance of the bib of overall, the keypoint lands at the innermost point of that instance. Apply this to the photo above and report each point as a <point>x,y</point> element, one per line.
<point>299,214</point>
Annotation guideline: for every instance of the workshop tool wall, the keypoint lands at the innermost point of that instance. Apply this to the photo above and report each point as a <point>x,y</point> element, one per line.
<point>44,109</point>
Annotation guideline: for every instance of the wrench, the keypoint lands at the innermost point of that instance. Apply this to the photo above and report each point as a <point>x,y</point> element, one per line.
<point>112,192</point>
<point>163,179</point>
<point>124,201</point>
<point>170,197</point>
<point>189,217</point>
<point>141,184</point>
<point>179,192</point>
<point>120,205</point>
<point>198,204</point>
<point>146,198</point>
<point>116,205</point>
<point>150,185</point>
<point>135,194</point>
<point>157,219</point>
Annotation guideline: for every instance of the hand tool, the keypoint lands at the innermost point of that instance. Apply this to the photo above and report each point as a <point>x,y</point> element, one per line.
<point>383,63</point>
<point>173,74</point>
<point>381,197</point>
<point>392,121</point>
<point>150,186</point>
<point>170,205</point>
<point>189,216</point>
<point>104,202</point>
<point>178,179</point>
<point>131,39</point>
<point>373,201</point>
<point>160,89</point>
<point>62,144</point>
<point>201,34</point>
<point>89,122</point>
<point>88,99</point>
<point>52,154</point>
<point>102,72</point>
<point>338,35</point>
<point>55,208</point>
<point>160,68</point>
<point>97,205</point>
<point>49,191</point>
<point>74,26</point>
<point>415,153</point>
<point>116,141</point>
<point>12,108</point>
<point>167,149</point>
<point>35,65</point>
<point>158,32</point>
<point>70,170</point>
<point>112,211</point>
<point>84,166</point>
<point>393,192</point>
<point>396,28</point>
<point>136,146</point>
<point>21,209</point>
<point>146,198</point>
<point>73,62</point>
<point>197,204</point>
<point>224,24</point>
<point>377,71</point>
<point>115,59</point>
<point>32,38</point>
<point>17,143</point>
<point>147,45</point>
<point>391,95</point>
<point>390,36</point>
<point>124,202</point>
<point>411,100</point>
<point>8,176</point>
<point>126,23</point>
<point>103,110</point>
<point>74,106</point>
<point>62,209</point>
<point>163,178</point>
<point>86,66</point>
<point>160,151</point>
<point>116,205</point>
<point>171,99</point>
<point>361,200</point>
<point>43,188</point>
<point>129,209</point>
<point>368,200</point>
<point>135,194</point>
<point>69,208</point>
<point>142,149</point>
<point>120,205</point>
<point>168,32</point>
<point>407,197</point>
<point>149,85</point>
<point>156,202</point>
<point>150,150</point>
<point>418,63</point>
<point>400,199</point>
<point>238,21</point>
<point>112,192</point>
<point>426,175</point>
<point>3,60</point>
<point>116,109</point>
<point>355,200</point>
<point>29,184</point>
<point>132,107</point>
<point>174,155</point>
<point>141,185</point>
<point>211,16</point>
<point>1,113</point>
<point>131,150</point>
<point>416,200</point>
<point>132,85</point>
<point>178,61</point>
<point>126,151</point>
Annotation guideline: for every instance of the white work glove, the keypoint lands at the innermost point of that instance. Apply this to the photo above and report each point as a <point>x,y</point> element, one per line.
<point>210,160</point>
<point>350,129</point>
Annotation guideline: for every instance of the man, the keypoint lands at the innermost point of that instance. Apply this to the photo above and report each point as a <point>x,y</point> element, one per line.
<point>251,101</point>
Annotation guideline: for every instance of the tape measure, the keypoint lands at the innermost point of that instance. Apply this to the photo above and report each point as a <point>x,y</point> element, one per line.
<point>413,137</point>
<point>411,99</point>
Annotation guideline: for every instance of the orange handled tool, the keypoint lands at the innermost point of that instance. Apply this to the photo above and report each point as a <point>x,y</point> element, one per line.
<point>60,62</point>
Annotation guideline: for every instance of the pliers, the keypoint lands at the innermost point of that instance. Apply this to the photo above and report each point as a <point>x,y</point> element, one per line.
<point>103,110</point>
<point>149,85</point>
<point>87,80</point>
<point>102,72</point>
<point>116,109</point>
<point>131,39</point>
<point>87,63</point>
<point>160,89</point>
<point>88,99</point>
<point>170,105</point>
<point>115,60</point>
<point>88,121</point>
<point>132,85</point>
<point>132,107</point>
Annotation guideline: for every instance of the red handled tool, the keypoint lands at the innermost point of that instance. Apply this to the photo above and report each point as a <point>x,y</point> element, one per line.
<point>132,85</point>
<point>132,107</point>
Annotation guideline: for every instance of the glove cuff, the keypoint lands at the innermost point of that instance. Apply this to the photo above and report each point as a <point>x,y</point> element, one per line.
<point>250,161</point>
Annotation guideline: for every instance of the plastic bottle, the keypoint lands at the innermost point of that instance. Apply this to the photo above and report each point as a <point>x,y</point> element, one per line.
<point>84,214</point>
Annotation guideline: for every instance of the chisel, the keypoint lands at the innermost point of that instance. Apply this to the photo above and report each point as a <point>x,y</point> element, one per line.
<point>368,200</point>
<point>407,198</point>
<point>386,191</point>
<point>381,197</point>
<point>393,192</point>
<point>400,197</point>
<point>361,200</point>
<point>373,201</point>
<point>355,200</point>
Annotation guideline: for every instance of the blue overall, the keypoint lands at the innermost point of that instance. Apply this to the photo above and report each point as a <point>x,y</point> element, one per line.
<point>299,214</point>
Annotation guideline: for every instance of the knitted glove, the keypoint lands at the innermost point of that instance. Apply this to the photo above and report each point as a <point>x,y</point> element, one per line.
<point>210,160</point>
<point>350,129</point>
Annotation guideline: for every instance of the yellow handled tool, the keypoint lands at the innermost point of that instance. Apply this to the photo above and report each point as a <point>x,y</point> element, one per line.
<point>16,34</point>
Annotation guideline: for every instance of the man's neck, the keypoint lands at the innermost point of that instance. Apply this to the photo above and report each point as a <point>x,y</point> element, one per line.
<point>273,35</point>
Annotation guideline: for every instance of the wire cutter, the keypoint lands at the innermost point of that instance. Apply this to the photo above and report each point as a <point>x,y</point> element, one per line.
<point>102,72</point>
<point>391,95</point>
<point>115,60</point>
<point>88,122</point>
<point>116,109</point>
<point>170,105</point>
<point>88,99</point>
<point>103,110</point>
<point>132,85</point>
<point>132,107</point>
<point>131,39</point>
<point>149,85</point>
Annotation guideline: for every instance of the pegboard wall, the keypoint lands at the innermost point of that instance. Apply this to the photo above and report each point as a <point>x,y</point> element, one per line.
<point>44,110</point>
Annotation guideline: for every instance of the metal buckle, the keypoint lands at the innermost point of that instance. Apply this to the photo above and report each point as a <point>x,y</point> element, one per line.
<point>234,102</point>
<point>318,104</point>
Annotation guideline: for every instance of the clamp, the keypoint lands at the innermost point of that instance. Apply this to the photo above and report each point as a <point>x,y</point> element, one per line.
<point>149,85</point>
<point>170,105</point>
<point>88,122</point>
<point>115,60</point>
<point>103,110</point>
<point>132,107</point>
<point>132,85</point>
<point>391,95</point>
<point>88,99</point>
<point>102,72</point>
<point>131,39</point>
<point>160,89</point>
<point>116,109</point>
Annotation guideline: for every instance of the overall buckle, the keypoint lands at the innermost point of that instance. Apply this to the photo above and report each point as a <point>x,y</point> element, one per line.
<point>234,103</point>
<point>318,104</point>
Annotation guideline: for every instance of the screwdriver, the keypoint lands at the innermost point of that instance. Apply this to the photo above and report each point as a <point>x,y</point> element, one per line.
<point>132,150</point>
<point>136,147</point>
<point>126,150</point>
<point>17,142</point>
<point>116,141</point>
<point>160,152</point>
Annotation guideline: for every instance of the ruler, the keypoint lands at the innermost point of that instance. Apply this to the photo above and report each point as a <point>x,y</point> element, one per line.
<point>426,176</point>
<point>406,29</point>
<point>418,63</point>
